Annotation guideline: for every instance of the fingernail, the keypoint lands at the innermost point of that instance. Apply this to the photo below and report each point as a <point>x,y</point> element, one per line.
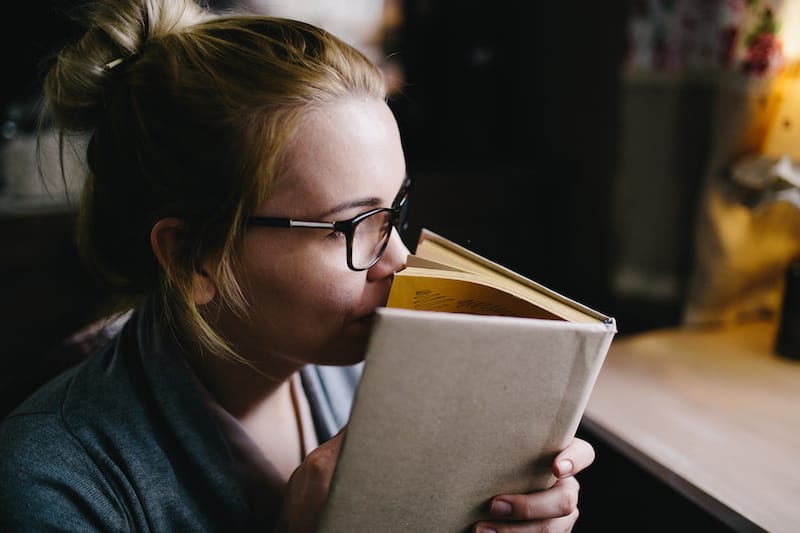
<point>564,467</point>
<point>485,529</point>
<point>501,508</point>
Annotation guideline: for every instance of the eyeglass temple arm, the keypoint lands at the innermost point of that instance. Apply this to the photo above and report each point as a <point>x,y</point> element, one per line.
<point>288,223</point>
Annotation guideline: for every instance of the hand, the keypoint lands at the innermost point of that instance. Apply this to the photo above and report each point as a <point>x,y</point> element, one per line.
<point>554,509</point>
<point>307,489</point>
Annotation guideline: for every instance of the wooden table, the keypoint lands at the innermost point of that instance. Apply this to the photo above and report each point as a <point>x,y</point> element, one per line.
<point>713,413</point>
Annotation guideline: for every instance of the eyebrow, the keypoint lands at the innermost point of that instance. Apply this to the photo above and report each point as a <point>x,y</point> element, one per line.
<point>363,202</point>
<point>371,201</point>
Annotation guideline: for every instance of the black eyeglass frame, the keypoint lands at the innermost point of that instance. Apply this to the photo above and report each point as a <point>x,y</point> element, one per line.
<point>397,219</point>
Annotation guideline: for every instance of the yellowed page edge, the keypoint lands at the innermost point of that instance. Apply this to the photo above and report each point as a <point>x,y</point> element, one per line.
<point>448,252</point>
<point>423,289</point>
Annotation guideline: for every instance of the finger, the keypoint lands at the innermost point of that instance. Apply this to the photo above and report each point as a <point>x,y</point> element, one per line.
<point>335,442</point>
<point>321,461</point>
<point>330,448</point>
<point>552,525</point>
<point>308,488</point>
<point>574,458</point>
<point>559,500</point>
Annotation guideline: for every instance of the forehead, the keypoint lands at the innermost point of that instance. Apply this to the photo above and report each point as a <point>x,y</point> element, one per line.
<point>342,151</point>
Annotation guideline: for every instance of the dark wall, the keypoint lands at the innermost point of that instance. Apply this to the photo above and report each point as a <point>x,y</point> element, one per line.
<point>31,32</point>
<point>509,120</point>
<point>508,116</point>
<point>46,296</point>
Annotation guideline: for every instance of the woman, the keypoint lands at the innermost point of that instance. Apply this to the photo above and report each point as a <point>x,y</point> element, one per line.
<point>222,149</point>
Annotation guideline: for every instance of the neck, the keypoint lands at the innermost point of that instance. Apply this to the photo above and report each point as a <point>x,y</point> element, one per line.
<point>241,387</point>
<point>270,412</point>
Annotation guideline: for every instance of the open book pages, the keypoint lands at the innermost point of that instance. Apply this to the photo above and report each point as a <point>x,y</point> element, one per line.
<point>443,276</point>
<point>456,407</point>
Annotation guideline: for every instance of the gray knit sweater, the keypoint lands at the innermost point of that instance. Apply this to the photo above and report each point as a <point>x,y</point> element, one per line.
<point>125,441</point>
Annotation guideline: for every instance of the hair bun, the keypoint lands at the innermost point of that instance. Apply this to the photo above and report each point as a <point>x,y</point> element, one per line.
<point>76,87</point>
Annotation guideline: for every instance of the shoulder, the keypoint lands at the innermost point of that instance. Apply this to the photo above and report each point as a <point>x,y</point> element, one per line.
<point>54,467</point>
<point>122,442</point>
<point>44,467</point>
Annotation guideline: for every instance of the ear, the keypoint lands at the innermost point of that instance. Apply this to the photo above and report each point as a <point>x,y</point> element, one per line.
<point>164,242</point>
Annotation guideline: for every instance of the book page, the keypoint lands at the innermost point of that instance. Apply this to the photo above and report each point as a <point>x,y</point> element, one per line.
<point>437,249</point>
<point>417,261</point>
<point>422,290</point>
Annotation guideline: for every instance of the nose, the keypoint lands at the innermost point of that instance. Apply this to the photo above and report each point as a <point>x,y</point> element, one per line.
<point>393,259</point>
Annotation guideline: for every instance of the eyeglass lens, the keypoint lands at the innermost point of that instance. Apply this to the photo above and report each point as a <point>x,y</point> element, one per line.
<point>371,234</point>
<point>370,237</point>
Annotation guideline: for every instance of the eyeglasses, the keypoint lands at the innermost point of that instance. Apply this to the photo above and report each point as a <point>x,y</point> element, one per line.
<point>367,234</point>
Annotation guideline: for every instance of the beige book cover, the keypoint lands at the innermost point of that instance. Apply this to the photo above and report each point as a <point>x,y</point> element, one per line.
<point>455,407</point>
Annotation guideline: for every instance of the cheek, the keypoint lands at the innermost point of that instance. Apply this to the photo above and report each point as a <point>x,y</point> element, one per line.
<point>315,292</point>
<point>307,316</point>
<point>301,286</point>
<point>306,305</point>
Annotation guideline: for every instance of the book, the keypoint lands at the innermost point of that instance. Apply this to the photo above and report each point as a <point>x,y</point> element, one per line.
<point>474,378</point>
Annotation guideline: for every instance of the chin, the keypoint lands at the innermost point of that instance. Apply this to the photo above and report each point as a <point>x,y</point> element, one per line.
<point>347,347</point>
<point>349,350</point>
<point>341,358</point>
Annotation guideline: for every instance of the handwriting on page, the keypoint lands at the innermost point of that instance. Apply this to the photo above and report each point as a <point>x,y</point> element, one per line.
<point>434,301</point>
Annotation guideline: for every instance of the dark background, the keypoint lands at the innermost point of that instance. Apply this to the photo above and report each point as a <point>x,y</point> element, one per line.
<point>509,117</point>
<point>510,120</point>
<point>509,123</point>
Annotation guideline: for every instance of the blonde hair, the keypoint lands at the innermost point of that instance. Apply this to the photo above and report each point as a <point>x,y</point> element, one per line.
<point>189,114</point>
